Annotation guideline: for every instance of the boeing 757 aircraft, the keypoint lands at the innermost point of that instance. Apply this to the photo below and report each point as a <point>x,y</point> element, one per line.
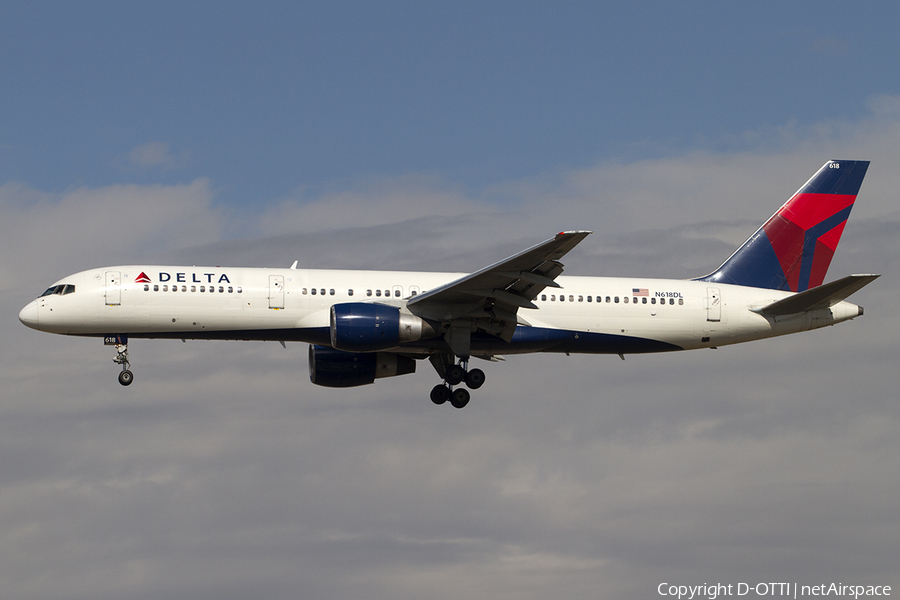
<point>364,325</point>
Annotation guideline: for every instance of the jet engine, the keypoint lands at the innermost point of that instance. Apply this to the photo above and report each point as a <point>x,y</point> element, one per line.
<point>334,368</point>
<point>364,327</point>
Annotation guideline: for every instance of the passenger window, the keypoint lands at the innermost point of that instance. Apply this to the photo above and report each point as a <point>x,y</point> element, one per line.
<point>184,288</point>
<point>607,299</point>
<point>643,301</point>
<point>581,298</point>
<point>368,292</point>
<point>156,288</point>
<point>349,292</point>
<point>231,290</point>
<point>165,288</point>
<point>331,292</point>
<point>625,299</point>
<point>240,290</point>
<point>671,300</point>
<point>378,293</point>
<point>193,288</point>
<point>397,293</point>
<point>146,288</point>
<point>543,297</point>
<point>202,288</point>
<point>221,289</point>
<point>314,291</point>
<point>652,300</point>
<point>681,302</point>
<point>322,291</point>
<point>562,298</point>
<point>617,299</point>
<point>589,298</point>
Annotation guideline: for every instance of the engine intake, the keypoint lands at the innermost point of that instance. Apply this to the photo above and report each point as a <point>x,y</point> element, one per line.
<point>334,368</point>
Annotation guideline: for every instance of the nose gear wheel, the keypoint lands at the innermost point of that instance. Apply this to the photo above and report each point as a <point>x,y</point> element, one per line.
<point>126,376</point>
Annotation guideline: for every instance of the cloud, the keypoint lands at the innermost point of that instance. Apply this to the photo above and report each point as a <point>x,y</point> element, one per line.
<point>155,154</point>
<point>51,235</point>
<point>830,46</point>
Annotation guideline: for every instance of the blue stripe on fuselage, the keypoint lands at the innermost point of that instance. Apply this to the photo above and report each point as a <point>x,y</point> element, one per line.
<point>539,339</point>
<point>524,340</point>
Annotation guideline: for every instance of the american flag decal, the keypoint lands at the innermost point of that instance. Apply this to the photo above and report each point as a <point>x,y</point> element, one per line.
<point>640,291</point>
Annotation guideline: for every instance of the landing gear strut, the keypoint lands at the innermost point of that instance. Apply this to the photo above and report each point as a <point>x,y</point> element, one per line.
<point>126,376</point>
<point>455,374</point>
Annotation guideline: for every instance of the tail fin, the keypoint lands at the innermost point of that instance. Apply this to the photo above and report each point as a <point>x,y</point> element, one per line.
<point>793,249</point>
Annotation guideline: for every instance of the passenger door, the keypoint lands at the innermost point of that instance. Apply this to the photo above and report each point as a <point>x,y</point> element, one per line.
<point>713,305</point>
<point>113,289</point>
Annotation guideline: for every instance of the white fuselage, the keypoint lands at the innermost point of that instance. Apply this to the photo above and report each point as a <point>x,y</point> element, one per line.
<point>586,314</point>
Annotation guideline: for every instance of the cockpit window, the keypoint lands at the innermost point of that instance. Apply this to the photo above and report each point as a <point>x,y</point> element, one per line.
<point>59,290</point>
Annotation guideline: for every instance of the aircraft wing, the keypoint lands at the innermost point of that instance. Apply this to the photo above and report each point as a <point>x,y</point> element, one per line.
<point>493,295</point>
<point>824,296</point>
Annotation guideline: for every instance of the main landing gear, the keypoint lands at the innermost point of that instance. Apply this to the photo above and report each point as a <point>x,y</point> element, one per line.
<point>454,375</point>
<point>126,376</point>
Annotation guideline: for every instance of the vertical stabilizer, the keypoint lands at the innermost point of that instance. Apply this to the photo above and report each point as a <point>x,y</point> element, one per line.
<point>793,249</point>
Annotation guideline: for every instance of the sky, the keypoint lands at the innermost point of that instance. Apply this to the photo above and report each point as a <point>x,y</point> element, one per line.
<point>419,136</point>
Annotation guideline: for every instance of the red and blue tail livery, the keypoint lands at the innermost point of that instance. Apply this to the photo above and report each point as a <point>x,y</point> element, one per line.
<point>368,325</point>
<point>793,249</point>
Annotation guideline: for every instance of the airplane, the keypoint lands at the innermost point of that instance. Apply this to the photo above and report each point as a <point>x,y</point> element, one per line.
<point>366,325</point>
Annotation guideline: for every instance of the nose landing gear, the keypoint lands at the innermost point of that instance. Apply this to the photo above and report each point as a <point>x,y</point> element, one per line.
<point>126,376</point>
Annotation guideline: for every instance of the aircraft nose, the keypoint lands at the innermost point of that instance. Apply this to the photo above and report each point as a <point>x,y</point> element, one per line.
<point>29,315</point>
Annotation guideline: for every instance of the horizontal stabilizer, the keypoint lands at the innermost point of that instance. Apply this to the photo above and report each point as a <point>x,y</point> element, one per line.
<point>823,296</point>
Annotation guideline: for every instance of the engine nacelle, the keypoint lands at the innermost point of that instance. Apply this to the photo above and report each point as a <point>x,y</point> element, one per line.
<point>334,368</point>
<point>364,327</point>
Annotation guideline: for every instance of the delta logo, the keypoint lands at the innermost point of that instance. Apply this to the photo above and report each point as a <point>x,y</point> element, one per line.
<point>183,278</point>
